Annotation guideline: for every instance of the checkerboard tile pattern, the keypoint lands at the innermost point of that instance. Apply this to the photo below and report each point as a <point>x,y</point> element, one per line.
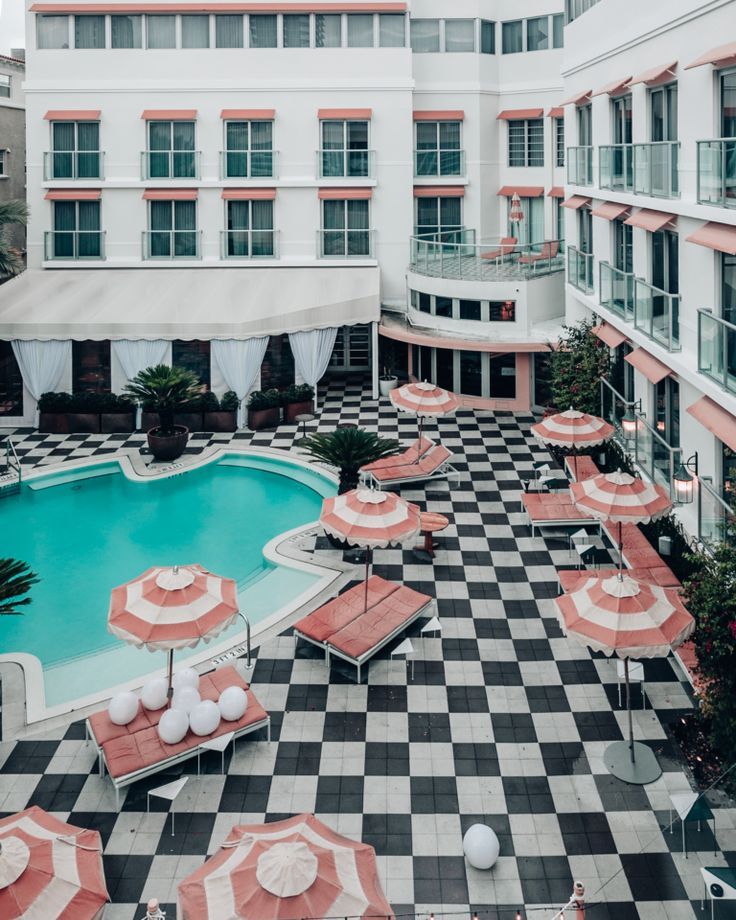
<point>503,721</point>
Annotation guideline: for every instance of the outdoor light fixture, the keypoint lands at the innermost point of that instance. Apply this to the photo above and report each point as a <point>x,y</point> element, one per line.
<point>684,481</point>
<point>629,421</point>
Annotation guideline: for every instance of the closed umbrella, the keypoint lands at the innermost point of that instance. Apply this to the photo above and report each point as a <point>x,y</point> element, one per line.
<point>572,430</point>
<point>516,212</point>
<point>425,400</point>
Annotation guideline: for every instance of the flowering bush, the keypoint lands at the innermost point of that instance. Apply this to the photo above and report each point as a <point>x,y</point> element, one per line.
<point>578,363</point>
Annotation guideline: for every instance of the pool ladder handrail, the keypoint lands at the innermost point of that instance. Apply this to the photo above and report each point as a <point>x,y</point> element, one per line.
<point>247,639</point>
<point>10,482</point>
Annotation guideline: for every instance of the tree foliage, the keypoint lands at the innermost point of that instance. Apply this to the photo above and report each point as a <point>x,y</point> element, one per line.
<point>11,261</point>
<point>164,389</point>
<point>347,449</point>
<point>577,365</point>
<point>16,580</point>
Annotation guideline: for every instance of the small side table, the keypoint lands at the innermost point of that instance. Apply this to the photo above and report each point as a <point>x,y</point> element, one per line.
<point>220,744</point>
<point>170,792</point>
<point>404,648</point>
<point>429,523</point>
<point>303,419</point>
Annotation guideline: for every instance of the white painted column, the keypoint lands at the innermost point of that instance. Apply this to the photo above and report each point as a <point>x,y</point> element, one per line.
<point>374,360</point>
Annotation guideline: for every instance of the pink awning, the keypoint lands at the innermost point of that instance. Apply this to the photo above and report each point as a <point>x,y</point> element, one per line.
<point>82,194</point>
<point>248,194</point>
<point>556,112</point>
<point>662,73</point>
<point>652,369</point>
<point>239,6</point>
<point>576,202</point>
<point>557,191</point>
<point>170,194</point>
<point>248,114</point>
<point>716,419</point>
<point>721,237</point>
<point>651,220</point>
<point>344,114</point>
<point>579,98</point>
<point>523,191</point>
<point>610,335</point>
<point>614,88</point>
<point>342,194</point>
<point>439,191</point>
<point>610,210</point>
<point>519,114</point>
<point>722,56</point>
<point>72,115</point>
<point>439,115</point>
<point>169,114</point>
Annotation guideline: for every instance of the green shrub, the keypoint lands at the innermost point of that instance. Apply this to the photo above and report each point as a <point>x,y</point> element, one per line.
<point>577,365</point>
<point>264,399</point>
<point>229,401</point>
<point>297,393</point>
<point>54,402</point>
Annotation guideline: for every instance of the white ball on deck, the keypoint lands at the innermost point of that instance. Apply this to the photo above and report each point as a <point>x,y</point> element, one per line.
<point>204,718</point>
<point>123,708</point>
<point>153,694</point>
<point>187,677</point>
<point>481,846</point>
<point>233,703</point>
<point>172,727</point>
<point>185,698</point>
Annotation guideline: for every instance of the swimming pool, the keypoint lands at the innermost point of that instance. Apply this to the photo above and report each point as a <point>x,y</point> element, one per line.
<point>85,531</point>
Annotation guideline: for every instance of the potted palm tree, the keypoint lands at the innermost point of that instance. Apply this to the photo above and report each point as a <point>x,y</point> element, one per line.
<point>16,580</point>
<point>348,449</point>
<point>163,390</point>
<point>11,261</point>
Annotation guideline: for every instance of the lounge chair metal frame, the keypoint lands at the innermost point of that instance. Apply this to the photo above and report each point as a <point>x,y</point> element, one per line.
<point>444,471</point>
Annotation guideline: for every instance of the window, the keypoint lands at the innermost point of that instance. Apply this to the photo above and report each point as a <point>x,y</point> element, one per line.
<point>296,30</point>
<point>392,30</point>
<point>249,149</point>
<point>585,125</point>
<point>559,218</point>
<point>511,37</point>
<point>126,31</point>
<point>621,114</point>
<point>195,31</point>
<point>558,29</point>
<point>346,228</point>
<point>487,37</point>
<point>728,289</point>
<point>728,109</point>
<point>360,30</point>
<point>502,376</point>
<point>192,356</point>
<point>471,373</point>
<point>262,31</point>
<point>438,215</point>
<point>228,31</point>
<point>4,85</point>
<point>559,141</point>
<point>459,35</point>
<point>470,309</point>
<point>161,31</point>
<point>425,35</point>
<point>3,162</point>
<point>75,150</point>
<point>91,367</point>
<point>438,150</point>
<point>526,142</point>
<point>665,261</point>
<point>11,382</point>
<point>423,302</point>
<point>443,306</point>
<point>76,233</point>
<point>171,153</point>
<point>52,31</point>
<point>667,411</point>
<point>663,106</point>
<point>173,230</point>
<point>501,311</point>
<point>249,229</point>
<point>328,30</point>
<point>623,246</point>
<point>344,148</point>
<point>537,33</point>
<point>89,31</point>
<point>529,231</point>
<point>585,230</point>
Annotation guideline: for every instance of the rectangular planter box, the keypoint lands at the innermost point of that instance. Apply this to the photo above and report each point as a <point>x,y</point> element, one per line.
<point>191,420</point>
<point>222,420</point>
<point>84,422</point>
<point>117,422</point>
<point>260,419</point>
<point>53,423</point>
<point>291,410</point>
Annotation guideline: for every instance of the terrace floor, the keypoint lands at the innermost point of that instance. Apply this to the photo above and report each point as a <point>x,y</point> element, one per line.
<point>504,721</point>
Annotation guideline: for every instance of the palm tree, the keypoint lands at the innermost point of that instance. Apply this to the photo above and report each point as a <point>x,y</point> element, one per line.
<point>348,449</point>
<point>11,212</point>
<point>164,389</point>
<point>16,579</point>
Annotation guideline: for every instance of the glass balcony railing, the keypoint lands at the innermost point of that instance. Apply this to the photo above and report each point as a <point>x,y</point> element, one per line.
<point>248,164</point>
<point>249,244</point>
<point>616,290</point>
<point>172,244</point>
<point>580,165</point>
<point>616,167</point>
<point>717,349</point>
<point>350,164</point>
<point>73,164</point>
<point>656,169</point>
<point>74,244</point>
<point>714,514</point>
<point>580,269</point>
<point>653,455</point>
<point>657,314</point>
<point>170,164</point>
<point>613,408</point>
<point>439,163</point>
<point>345,244</point>
<point>717,172</point>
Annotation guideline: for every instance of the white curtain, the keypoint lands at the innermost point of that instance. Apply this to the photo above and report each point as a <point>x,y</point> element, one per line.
<point>239,361</point>
<point>41,365</point>
<point>136,355</point>
<point>312,351</point>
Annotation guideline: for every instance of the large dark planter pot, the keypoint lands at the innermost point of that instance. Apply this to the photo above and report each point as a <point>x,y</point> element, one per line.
<point>167,448</point>
<point>221,420</point>
<point>84,422</point>
<point>259,419</point>
<point>53,423</point>
<point>117,422</point>
<point>191,420</point>
<point>291,410</point>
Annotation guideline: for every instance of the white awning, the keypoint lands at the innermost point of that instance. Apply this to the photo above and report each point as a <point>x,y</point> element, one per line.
<point>185,303</point>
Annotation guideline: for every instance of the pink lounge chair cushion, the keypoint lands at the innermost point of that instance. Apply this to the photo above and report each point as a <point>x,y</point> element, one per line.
<point>342,610</point>
<point>508,246</point>
<point>428,464</point>
<point>410,455</point>
<point>555,507</point>
<point>581,467</point>
<point>547,251</point>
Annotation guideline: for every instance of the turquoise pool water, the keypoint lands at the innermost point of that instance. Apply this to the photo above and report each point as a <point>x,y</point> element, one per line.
<point>85,532</point>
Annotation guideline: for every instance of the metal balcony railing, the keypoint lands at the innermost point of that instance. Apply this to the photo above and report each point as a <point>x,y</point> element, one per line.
<point>616,290</point>
<point>715,515</point>
<point>73,164</point>
<point>70,245</point>
<point>439,163</point>
<point>656,169</point>
<point>580,165</point>
<point>717,349</point>
<point>170,164</point>
<point>657,314</point>
<point>171,244</point>
<point>717,172</point>
<point>616,167</point>
<point>248,164</point>
<point>345,164</point>
<point>249,244</point>
<point>580,269</point>
<point>345,244</point>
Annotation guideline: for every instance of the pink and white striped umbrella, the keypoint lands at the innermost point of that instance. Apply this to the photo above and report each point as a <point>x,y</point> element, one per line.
<point>620,498</point>
<point>516,212</point>
<point>366,517</point>
<point>287,869</point>
<point>424,400</point>
<point>572,429</point>
<point>49,870</point>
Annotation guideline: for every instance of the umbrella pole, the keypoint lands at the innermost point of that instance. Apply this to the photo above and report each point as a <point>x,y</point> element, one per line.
<point>170,688</point>
<point>368,553</point>
<point>620,551</point>
<point>628,706</point>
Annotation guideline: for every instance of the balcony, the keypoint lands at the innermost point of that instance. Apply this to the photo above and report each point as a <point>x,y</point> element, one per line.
<point>456,255</point>
<point>657,314</point>
<point>248,164</point>
<point>171,244</point>
<point>346,164</point>
<point>580,269</point>
<point>717,172</point>
<point>656,169</point>
<point>717,349</point>
<point>73,164</point>
<point>74,245</point>
<point>249,244</point>
<point>580,165</point>
<point>616,290</point>
<point>346,244</point>
<point>715,516</point>
<point>616,167</point>
<point>170,164</point>
<point>436,163</point>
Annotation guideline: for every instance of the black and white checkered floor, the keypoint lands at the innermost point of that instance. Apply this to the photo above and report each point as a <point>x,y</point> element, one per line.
<point>503,721</point>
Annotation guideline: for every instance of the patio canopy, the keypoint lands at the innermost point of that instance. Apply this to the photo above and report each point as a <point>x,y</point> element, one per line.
<point>185,303</point>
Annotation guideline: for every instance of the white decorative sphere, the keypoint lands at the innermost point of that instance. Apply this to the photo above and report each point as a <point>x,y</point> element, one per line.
<point>187,677</point>
<point>204,718</point>
<point>481,846</point>
<point>172,727</point>
<point>185,698</point>
<point>233,703</point>
<point>153,694</point>
<point>123,708</point>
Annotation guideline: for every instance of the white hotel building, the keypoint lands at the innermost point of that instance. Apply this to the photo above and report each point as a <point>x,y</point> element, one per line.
<point>232,170</point>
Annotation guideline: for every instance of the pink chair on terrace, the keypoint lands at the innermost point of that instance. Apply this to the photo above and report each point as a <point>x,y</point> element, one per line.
<point>506,248</point>
<point>548,252</point>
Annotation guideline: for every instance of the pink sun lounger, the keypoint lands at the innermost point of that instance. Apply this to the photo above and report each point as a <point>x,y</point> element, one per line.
<point>414,465</point>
